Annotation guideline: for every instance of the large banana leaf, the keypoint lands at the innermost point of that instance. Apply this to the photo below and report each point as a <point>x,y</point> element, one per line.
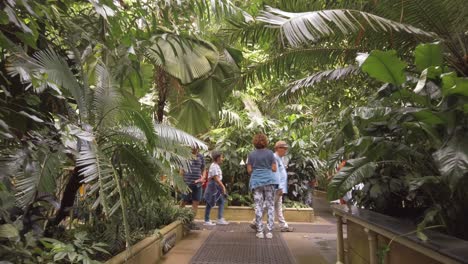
<point>350,175</point>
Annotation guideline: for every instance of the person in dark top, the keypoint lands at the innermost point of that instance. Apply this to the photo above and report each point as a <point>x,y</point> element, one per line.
<point>261,165</point>
<point>194,179</point>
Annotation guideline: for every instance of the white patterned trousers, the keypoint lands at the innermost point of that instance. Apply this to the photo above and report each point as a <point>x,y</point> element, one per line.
<point>264,196</point>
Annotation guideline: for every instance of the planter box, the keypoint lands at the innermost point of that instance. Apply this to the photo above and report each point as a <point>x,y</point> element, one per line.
<point>319,193</point>
<point>321,204</point>
<point>369,232</point>
<point>150,249</point>
<point>244,213</point>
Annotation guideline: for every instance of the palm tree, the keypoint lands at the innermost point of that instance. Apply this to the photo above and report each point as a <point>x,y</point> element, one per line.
<point>113,138</point>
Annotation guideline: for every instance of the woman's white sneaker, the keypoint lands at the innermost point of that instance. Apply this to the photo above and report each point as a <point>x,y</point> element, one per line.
<point>222,222</point>
<point>209,223</point>
<point>269,235</point>
<point>260,235</point>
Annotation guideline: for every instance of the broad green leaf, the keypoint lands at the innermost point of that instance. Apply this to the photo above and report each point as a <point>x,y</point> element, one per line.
<point>452,159</point>
<point>428,117</point>
<point>209,92</point>
<point>350,175</point>
<point>8,231</point>
<point>427,55</point>
<point>191,116</point>
<point>385,66</point>
<point>213,90</point>
<point>451,84</point>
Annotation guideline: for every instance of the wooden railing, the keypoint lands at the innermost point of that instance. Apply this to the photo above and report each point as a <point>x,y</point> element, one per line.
<point>405,246</point>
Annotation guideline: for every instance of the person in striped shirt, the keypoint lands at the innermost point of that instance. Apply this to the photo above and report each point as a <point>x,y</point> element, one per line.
<point>194,179</point>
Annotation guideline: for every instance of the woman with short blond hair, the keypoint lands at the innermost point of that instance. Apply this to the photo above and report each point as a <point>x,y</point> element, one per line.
<point>261,165</point>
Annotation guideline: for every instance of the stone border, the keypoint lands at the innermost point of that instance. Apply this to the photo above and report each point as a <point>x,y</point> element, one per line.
<point>244,213</point>
<point>152,248</point>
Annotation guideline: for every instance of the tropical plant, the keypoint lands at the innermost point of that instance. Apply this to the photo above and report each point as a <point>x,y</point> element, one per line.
<point>79,251</point>
<point>407,147</point>
<point>69,120</point>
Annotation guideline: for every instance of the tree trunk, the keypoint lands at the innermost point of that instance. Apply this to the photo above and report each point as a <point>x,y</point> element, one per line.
<point>162,85</point>
<point>68,200</point>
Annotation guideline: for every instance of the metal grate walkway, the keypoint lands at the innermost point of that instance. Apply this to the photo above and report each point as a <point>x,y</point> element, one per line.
<point>236,243</point>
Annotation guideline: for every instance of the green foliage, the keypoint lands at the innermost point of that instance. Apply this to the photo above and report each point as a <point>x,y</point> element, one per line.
<point>355,171</point>
<point>79,251</point>
<point>428,55</point>
<point>385,66</point>
<point>410,154</point>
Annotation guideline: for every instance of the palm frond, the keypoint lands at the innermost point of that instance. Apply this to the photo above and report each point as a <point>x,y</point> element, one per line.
<point>298,59</point>
<point>98,171</point>
<point>37,177</point>
<point>220,8</point>
<point>166,132</point>
<point>253,111</point>
<point>140,163</point>
<point>300,28</point>
<point>443,17</point>
<point>49,66</point>
<point>106,96</point>
<point>310,81</point>
<point>230,117</point>
<point>183,58</point>
<point>142,121</point>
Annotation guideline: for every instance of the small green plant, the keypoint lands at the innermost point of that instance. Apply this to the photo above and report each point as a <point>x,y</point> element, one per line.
<point>81,250</point>
<point>237,199</point>
<point>293,204</point>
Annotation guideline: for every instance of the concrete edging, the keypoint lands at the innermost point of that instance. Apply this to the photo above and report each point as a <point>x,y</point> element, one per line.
<point>244,213</point>
<point>151,249</point>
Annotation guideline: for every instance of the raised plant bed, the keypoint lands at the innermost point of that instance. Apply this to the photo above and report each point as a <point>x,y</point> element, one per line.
<point>244,213</point>
<point>368,233</point>
<point>150,249</point>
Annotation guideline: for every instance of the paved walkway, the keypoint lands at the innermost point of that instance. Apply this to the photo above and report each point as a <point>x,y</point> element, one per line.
<point>311,243</point>
<point>236,243</point>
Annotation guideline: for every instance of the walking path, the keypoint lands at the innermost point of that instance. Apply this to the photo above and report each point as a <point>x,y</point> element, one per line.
<point>311,243</point>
